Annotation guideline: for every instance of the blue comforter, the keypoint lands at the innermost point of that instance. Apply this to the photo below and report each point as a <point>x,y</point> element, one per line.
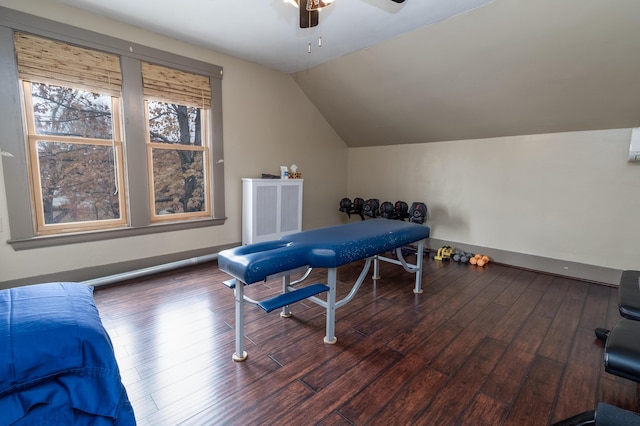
<point>57,365</point>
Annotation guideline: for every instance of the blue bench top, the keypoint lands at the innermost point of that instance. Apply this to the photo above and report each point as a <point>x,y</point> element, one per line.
<point>319,248</point>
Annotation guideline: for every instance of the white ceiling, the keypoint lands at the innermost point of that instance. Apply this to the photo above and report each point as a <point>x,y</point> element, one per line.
<point>267,31</point>
<point>428,70</point>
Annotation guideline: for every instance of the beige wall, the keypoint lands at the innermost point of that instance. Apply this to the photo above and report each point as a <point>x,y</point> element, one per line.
<point>571,197</point>
<point>260,134</point>
<point>567,196</point>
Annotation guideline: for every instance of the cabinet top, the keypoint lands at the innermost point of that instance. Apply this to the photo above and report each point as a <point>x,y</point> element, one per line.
<point>271,180</point>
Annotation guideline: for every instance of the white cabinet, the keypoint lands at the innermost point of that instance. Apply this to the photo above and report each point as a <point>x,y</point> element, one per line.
<point>271,208</point>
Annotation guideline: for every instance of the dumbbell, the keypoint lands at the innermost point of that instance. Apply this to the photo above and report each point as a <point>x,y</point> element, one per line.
<point>370,207</point>
<point>387,210</point>
<point>418,212</point>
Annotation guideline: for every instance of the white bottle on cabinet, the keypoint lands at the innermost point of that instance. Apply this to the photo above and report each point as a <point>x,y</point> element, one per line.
<point>271,208</point>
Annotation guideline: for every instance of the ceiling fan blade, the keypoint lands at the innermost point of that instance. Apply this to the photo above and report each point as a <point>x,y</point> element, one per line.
<point>308,18</point>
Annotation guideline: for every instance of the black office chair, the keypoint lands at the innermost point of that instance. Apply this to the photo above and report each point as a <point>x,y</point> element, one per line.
<point>603,415</point>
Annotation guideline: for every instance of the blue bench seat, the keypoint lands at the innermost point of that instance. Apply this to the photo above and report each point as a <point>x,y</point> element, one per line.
<point>291,297</point>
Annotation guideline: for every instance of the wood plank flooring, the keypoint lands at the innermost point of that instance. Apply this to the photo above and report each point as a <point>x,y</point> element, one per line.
<point>481,346</point>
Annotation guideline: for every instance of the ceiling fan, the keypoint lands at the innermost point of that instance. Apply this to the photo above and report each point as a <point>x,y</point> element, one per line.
<point>310,14</point>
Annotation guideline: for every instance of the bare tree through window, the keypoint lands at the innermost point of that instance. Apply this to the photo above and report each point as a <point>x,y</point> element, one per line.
<point>178,161</point>
<point>75,154</point>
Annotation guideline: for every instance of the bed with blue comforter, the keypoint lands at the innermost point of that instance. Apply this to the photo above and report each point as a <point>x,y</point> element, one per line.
<point>57,365</point>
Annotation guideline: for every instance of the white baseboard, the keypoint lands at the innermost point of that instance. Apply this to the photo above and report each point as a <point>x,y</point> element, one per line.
<point>111,272</point>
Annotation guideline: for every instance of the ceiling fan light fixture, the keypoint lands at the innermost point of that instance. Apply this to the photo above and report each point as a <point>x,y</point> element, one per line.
<point>318,4</point>
<point>311,4</point>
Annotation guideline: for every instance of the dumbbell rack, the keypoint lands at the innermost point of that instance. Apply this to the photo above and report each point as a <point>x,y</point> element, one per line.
<point>372,208</point>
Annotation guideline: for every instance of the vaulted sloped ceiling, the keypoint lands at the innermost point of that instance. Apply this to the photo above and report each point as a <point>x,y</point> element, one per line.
<point>429,70</point>
<point>512,67</point>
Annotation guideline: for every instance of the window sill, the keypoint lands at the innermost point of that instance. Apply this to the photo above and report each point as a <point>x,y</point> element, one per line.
<point>85,237</point>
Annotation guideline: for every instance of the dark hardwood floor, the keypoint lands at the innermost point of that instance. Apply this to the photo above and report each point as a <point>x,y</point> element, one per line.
<point>481,346</point>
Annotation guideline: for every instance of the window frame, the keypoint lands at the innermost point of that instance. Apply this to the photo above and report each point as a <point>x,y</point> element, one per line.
<point>16,169</point>
<point>204,149</point>
<point>32,140</point>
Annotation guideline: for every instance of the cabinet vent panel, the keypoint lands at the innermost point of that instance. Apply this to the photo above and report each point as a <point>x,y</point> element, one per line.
<point>289,220</point>
<point>271,208</point>
<point>266,216</point>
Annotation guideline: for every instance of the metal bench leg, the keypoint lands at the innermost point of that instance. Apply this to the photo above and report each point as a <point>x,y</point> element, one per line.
<point>240,354</point>
<point>419,261</point>
<point>376,268</point>
<point>286,282</point>
<point>330,338</point>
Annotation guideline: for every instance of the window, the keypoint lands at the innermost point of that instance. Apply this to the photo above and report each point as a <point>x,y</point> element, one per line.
<point>75,159</point>
<point>74,140</point>
<point>177,107</point>
<point>92,165</point>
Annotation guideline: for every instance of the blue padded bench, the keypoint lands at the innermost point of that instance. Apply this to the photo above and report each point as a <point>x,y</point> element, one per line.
<point>327,248</point>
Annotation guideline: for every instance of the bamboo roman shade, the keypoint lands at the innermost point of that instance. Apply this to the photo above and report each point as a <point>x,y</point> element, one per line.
<point>175,86</point>
<point>55,62</point>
